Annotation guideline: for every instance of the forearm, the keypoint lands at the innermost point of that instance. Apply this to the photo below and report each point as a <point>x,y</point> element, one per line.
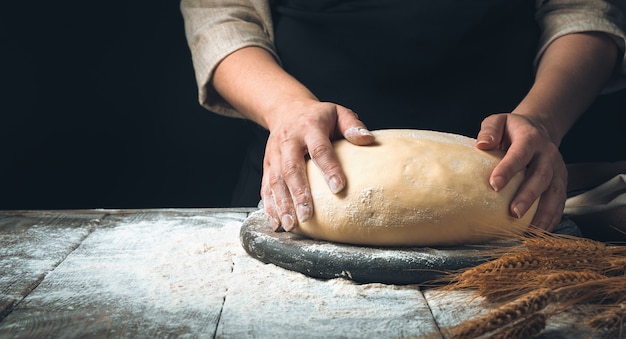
<point>570,75</point>
<point>251,80</point>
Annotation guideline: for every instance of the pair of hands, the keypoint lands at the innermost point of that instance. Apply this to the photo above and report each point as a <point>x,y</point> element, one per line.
<point>570,74</point>
<point>287,198</point>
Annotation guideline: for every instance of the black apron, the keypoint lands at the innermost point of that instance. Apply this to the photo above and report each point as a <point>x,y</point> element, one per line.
<point>438,65</point>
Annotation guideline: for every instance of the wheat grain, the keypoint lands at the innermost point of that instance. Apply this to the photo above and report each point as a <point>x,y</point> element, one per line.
<point>616,266</point>
<point>596,264</point>
<point>522,261</point>
<point>558,246</point>
<point>505,286</point>
<point>560,279</point>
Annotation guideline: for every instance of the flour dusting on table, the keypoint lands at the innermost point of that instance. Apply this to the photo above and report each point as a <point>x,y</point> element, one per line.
<point>168,270</point>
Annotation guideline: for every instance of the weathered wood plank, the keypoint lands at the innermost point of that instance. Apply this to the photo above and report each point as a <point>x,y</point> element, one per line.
<point>32,243</point>
<point>266,301</point>
<point>147,274</point>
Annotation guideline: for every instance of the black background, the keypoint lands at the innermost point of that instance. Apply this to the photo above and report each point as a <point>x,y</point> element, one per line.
<point>98,109</point>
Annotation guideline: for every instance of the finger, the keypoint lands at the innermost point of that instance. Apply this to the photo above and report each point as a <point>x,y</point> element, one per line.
<point>538,177</point>
<point>514,161</point>
<point>552,203</point>
<point>550,209</point>
<point>283,203</point>
<point>323,155</point>
<point>293,170</point>
<point>274,189</point>
<point>269,206</point>
<point>491,132</point>
<point>352,128</point>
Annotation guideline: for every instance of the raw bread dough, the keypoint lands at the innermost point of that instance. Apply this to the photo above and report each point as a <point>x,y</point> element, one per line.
<point>413,188</point>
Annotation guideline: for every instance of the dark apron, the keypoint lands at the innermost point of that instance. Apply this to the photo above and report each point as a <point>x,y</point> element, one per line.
<point>438,65</point>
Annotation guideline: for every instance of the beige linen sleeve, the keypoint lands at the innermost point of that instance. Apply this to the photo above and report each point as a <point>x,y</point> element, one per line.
<point>216,28</point>
<point>560,17</point>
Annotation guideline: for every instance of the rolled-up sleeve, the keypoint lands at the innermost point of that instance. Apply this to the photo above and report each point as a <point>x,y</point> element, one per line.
<point>560,17</point>
<point>216,28</point>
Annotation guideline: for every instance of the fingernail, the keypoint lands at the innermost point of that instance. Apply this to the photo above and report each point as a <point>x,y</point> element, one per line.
<point>485,139</point>
<point>304,212</point>
<point>335,184</point>
<point>494,183</point>
<point>354,131</point>
<point>365,132</point>
<point>519,210</point>
<point>274,223</point>
<point>288,222</point>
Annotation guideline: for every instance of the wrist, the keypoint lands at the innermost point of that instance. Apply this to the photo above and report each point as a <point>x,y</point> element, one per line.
<point>545,123</point>
<point>571,73</point>
<point>284,106</point>
<point>253,82</point>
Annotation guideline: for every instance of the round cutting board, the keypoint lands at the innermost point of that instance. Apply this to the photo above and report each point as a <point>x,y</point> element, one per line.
<point>390,265</point>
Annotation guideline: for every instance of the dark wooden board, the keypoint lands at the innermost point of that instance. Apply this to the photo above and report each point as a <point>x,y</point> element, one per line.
<point>32,244</point>
<point>321,259</point>
<point>391,265</point>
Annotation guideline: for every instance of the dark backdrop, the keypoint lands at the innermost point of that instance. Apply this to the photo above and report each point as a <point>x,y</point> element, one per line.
<point>98,109</point>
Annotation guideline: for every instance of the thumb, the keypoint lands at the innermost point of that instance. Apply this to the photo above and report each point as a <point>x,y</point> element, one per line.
<point>491,132</point>
<point>352,128</point>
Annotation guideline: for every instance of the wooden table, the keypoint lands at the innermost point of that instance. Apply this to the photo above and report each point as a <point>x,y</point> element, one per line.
<point>183,273</point>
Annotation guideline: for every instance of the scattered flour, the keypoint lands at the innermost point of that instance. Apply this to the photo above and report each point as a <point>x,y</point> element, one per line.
<point>169,273</point>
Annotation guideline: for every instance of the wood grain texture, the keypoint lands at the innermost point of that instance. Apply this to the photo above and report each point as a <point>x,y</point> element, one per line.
<point>184,273</point>
<point>33,244</point>
<point>146,274</point>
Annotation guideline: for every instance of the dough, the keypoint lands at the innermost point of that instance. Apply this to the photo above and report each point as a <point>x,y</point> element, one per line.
<point>413,188</point>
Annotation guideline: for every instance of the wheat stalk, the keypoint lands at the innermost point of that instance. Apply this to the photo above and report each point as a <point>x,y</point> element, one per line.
<point>616,266</point>
<point>544,269</point>
<point>522,261</point>
<point>555,246</point>
<point>509,286</point>
<point>610,319</point>
<point>607,290</point>
<point>530,303</point>
<point>525,328</point>
<point>560,279</point>
<point>596,264</point>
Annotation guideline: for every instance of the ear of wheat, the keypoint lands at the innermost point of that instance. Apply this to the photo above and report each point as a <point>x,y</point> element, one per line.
<point>616,266</point>
<point>553,245</point>
<point>509,286</point>
<point>525,328</point>
<point>507,313</point>
<point>611,319</point>
<point>608,290</point>
<point>516,262</point>
<point>544,269</point>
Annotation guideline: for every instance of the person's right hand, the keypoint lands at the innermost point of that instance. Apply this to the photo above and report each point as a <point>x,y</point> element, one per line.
<point>252,81</point>
<point>304,128</point>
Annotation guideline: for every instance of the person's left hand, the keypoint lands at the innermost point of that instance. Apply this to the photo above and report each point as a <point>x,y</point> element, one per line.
<point>528,147</point>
